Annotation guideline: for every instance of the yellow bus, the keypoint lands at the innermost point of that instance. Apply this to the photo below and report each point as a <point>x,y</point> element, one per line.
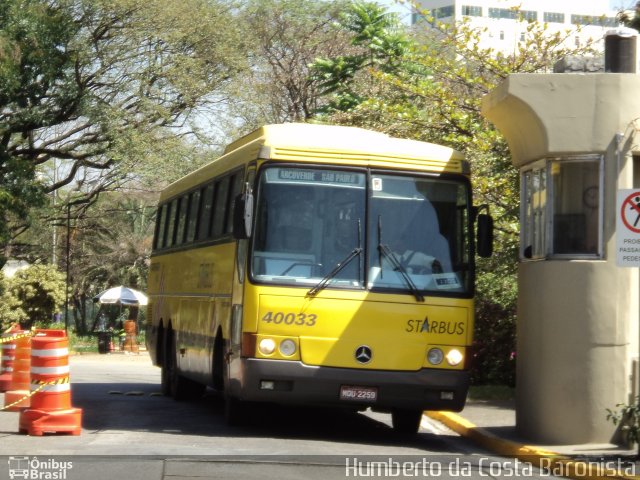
<point>319,265</point>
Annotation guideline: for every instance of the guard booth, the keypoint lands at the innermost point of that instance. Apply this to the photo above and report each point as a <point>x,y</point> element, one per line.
<point>576,140</point>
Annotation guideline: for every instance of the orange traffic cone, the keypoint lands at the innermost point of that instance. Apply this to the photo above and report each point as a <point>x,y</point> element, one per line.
<point>50,410</point>
<point>17,395</point>
<point>8,349</point>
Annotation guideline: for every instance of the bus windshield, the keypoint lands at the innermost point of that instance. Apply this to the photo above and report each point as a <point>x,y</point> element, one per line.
<point>313,229</point>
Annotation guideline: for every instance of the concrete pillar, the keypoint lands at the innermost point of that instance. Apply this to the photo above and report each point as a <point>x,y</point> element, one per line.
<point>577,316</point>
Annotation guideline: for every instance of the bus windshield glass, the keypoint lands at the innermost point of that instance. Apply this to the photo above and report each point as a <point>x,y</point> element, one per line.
<point>418,234</point>
<point>312,228</point>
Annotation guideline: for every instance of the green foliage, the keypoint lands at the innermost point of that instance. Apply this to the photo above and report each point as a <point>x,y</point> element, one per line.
<point>34,59</point>
<point>494,345</point>
<point>377,41</point>
<point>102,87</point>
<point>10,311</point>
<point>628,418</point>
<point>33,294</point>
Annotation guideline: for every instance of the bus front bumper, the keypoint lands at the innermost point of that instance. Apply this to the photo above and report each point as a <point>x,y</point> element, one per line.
<point>293,382</point>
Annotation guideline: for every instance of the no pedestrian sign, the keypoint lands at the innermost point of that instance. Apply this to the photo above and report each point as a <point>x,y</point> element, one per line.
<point>628,228</point>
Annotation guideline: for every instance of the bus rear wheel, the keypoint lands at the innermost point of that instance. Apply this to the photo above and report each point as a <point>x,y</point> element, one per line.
<point>166,373</point>
<point>174,384</point>
<point>406,422</point>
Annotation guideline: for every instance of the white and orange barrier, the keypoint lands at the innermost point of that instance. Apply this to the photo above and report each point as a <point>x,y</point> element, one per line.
<point>17,394</point>
<point>8,354</point>
<point>50,410</point>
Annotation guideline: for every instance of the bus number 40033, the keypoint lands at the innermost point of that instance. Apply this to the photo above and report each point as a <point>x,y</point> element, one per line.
<point>300,319</point>
<point>360,394</point>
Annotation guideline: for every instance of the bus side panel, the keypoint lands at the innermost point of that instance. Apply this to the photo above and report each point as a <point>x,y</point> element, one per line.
<point>190,293</point>
<point>204,286</point>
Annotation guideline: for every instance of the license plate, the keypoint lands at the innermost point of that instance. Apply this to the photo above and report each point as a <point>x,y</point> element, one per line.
<point>358,394</point>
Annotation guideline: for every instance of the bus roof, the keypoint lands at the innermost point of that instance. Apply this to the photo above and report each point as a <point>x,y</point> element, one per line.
<point>307,137</point>
<point>333,144</point>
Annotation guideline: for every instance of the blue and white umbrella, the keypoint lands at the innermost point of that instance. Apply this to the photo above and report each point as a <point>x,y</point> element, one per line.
<point>121,296</point>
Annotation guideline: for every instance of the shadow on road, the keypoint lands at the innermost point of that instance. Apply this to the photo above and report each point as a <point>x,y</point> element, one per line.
<point>141,407</point>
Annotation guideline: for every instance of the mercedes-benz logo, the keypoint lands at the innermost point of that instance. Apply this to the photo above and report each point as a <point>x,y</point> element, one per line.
<point>363,354</point>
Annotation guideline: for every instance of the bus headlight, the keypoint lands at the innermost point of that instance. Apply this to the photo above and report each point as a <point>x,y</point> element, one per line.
<point>454,357</point>
<point>287,347</point>
<point>435,356</point>
<point>267,346</point>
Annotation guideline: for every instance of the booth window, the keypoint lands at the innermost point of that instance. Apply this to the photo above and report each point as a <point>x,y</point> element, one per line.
<point>562,208</point>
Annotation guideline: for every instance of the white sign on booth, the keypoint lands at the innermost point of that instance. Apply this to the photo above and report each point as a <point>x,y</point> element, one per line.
<point>628,228</point>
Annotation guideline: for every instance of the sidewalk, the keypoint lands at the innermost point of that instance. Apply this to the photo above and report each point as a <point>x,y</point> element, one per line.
<point>492,425</point>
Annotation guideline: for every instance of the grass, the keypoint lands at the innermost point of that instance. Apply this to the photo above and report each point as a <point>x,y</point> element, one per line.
<point>83,344</point>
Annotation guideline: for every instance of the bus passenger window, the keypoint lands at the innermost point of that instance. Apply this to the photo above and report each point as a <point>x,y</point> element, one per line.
<point>182,220</point>
<point>157,241</point>
<point>165,225</point>
<point>234,191</point>
<point>205,212</point>
<point>171,224</point>
<point>194,203</point>
<point>219,206</point>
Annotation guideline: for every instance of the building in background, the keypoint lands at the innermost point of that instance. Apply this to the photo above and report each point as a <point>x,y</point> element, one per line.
<point>581,21</point>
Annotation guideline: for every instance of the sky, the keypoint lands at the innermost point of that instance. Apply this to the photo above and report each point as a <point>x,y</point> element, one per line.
<point>624,3</point>
<point>615,4</point>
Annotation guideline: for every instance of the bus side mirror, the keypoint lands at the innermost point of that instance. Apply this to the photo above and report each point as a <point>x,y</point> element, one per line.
<point>243,216</point>
<point>484,235</point>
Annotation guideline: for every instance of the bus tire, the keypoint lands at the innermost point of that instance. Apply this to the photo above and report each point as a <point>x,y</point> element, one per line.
<point>164,344</point>
<point>406,422</point>
<point>181,388</point>
<point>218,363</point>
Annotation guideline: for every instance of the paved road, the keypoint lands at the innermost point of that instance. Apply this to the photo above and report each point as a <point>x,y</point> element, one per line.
<point>131,431</point>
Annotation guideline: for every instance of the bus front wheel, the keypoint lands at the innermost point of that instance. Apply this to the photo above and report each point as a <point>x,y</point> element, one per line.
<point>406,422</point>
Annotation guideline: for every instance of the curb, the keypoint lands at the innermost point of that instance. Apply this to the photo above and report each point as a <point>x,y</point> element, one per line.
<point>557,464</point>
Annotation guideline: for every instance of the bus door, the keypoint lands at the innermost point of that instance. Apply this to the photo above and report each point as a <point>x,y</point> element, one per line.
<point>233,333</point>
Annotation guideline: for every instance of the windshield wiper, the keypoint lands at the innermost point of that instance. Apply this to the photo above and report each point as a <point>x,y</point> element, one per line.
<point>398,267</point>
<point>384,250</point>
<point>337,269</point>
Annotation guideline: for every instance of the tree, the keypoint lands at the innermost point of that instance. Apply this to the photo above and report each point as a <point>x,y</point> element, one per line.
<point>101,86</point>
<point>628,20</point>
<point>30,63</point>
<point>10,311</point>
<point>432,91</point>
<point>36,294</point>
<point>283,38</point>
<point>378,43</point>
<point>110,246</point>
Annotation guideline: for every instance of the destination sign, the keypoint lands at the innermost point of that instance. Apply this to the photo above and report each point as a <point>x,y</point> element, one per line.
<point>301,175</point>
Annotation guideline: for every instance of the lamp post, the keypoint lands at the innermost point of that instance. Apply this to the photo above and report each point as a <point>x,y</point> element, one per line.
<point>66,287</point>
